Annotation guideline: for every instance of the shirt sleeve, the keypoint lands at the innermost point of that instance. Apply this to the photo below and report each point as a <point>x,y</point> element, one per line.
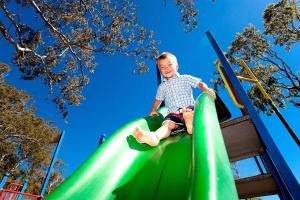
<point>192,81</point>
<point>160,94</point>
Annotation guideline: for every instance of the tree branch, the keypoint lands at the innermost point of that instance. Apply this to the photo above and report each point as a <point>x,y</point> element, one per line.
<point>55,30</point>
<point>22,137</point>
<point>10,17</point>
<point>287,70</point>
<point>18,48</point>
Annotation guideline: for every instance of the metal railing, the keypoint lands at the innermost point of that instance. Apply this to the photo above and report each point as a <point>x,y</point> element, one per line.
<point>14,195</point>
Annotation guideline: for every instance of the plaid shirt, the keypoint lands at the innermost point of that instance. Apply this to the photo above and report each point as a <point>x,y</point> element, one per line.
<point>177,92</point>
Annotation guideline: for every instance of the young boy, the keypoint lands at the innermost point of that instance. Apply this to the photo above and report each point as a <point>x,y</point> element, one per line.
<point>176,90</point>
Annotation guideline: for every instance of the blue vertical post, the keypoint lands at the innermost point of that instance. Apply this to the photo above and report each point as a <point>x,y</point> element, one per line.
<point>285,179</point>
<point>3,181</point>
<point>52,164</point>
<point>23,189</point>
<point>159,80</point>
<point>102,139</point>
<point>24,185</point>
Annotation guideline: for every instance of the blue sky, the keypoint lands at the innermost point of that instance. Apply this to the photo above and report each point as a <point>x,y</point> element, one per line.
<point>115,96</point>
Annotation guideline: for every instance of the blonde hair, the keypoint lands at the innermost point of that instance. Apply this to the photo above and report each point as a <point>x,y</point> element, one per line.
<point>168,55</point>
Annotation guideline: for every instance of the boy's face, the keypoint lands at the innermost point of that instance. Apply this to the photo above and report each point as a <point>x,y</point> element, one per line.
<point>167,68</point>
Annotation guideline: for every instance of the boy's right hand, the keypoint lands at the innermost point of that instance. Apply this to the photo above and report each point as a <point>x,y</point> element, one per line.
<point>153,113</point>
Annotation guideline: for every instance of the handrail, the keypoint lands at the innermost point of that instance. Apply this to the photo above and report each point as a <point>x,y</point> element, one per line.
<point>227,86</point>
<point>285,179</point>
<point>10,194</point>
<point>265,94</point>
<point>254,80</point>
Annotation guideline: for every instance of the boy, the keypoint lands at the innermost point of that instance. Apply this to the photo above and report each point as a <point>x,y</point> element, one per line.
<point>176,90</point>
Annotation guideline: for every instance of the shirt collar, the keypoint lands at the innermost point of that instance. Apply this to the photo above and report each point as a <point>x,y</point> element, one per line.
<point>176,75</point>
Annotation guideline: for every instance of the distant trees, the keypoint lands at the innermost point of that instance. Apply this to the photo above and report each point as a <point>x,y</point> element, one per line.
<point>260,51</point>
<point>26,141</point>
<point>56,41</point>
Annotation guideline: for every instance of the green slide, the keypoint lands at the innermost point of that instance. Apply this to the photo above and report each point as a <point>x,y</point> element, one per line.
<point>181,167</point>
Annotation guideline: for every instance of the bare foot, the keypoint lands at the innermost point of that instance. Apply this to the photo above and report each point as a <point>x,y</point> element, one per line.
<point>188,116</point>
<point>146,137</point>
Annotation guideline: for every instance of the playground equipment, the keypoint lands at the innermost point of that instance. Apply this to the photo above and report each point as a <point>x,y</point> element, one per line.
<point>181,167</point>
<point>122,168</point>
<point>253,79</point>
<point>184,166</point>
<point>13,191</point>
<point>279,178</point>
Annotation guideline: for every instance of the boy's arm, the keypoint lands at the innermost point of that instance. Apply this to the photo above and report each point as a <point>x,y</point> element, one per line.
<point>155,106</point>
<point>204,88</point>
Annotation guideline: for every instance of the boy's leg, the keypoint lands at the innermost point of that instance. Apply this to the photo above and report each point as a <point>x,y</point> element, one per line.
<point>146,137</point>
<point>165,130</point>
<point>153,139</point>
<point>188,116</point>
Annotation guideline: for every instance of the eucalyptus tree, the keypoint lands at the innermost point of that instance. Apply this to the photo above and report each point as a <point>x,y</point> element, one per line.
<point>57,40</point>
<point>260,51</point>
<point>26,140</point>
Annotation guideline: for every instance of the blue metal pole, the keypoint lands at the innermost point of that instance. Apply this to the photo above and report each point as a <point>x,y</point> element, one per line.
<point>52,164</point>
<point>159,80</point>
<point>3,181</point>
<point>24,185</point>
<point>102,139</point>
<point>288,180</point>
<point>23,189</point>
<point>266,157</point>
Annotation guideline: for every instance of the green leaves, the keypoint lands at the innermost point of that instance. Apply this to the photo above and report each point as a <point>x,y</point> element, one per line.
<point>280,80</point>
<point>188,14</point>
<point>25,139</point>
<point>282,22</point>
<point>59,42</point>
<point>59,46</point>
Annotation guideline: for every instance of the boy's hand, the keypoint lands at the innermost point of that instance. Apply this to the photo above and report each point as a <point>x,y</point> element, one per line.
<point>211,92</point>
<point>153,113</point>
<point>204,88</point>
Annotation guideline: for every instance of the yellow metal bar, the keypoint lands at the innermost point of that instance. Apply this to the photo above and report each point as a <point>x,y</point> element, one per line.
<point>246,79</point>
<point>260,87</point>
<point>227,86</point>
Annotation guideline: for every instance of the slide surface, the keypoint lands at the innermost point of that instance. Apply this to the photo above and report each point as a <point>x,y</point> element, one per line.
<point>181,167</point>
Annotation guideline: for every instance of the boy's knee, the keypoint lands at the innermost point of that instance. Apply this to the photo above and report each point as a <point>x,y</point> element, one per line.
<point>171,125</point>
<point>188,115</point>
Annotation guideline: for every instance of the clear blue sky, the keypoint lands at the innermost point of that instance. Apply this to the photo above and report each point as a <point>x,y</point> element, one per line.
<point>115,96</point>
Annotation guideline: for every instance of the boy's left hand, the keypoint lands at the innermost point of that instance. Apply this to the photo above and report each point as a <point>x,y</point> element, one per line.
<point>211,92</point>
<point>204,88</point>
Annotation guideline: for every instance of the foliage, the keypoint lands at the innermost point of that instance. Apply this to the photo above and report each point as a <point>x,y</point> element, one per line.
<point>188,13</point>
<point>282,22</point>
<point>257,49</point>
<point>56,41</point>
<point>25,139</point>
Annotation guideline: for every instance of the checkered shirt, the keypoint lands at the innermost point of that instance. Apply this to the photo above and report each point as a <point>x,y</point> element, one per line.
<point>177,92</point>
